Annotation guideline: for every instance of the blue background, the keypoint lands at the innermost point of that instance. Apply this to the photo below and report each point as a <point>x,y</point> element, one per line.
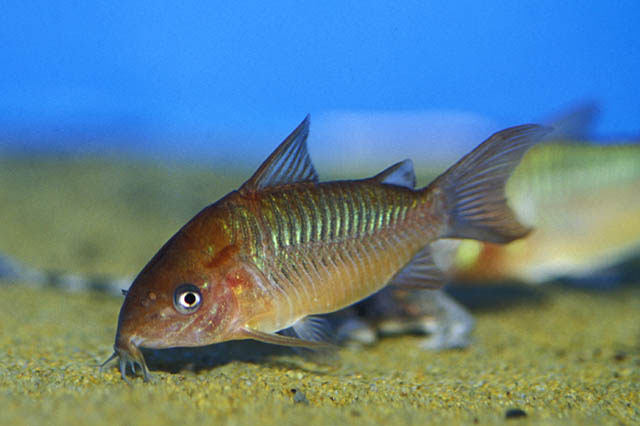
<point>195,78</point>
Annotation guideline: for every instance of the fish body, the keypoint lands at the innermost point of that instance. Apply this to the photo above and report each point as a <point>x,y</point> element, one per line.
<point>285,247</point>
<point>583,203</point>
<point>299,241</point>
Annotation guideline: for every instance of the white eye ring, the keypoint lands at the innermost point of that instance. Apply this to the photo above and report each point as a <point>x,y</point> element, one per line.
<point>187,298</point>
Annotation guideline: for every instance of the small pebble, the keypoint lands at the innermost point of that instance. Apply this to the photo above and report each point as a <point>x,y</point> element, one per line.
<point>620,356</point>
<point>299,397</point>
<point>515,413</point>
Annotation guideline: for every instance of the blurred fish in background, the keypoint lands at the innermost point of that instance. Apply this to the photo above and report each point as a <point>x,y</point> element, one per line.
<point>583,201</point>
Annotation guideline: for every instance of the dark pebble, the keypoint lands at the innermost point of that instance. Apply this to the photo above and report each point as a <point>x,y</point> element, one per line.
<point>515,413</point>
<point>299,397</point>
<point>620,356</point>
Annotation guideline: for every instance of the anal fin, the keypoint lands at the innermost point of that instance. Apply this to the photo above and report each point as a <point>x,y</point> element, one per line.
<point>420,273</point>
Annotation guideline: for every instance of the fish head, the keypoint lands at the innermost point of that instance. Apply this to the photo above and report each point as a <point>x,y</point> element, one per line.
<point>181,297</point>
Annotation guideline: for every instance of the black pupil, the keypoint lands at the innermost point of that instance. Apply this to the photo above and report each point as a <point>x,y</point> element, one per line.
<point>190,298</point>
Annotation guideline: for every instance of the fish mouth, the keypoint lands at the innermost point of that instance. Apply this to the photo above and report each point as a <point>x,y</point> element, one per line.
<point>129,355</point>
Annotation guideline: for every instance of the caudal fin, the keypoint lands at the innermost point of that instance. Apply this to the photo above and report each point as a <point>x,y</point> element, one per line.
<point>474,187</point>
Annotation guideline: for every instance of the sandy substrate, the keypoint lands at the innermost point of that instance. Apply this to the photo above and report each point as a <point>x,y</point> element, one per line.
<point>560,355</point>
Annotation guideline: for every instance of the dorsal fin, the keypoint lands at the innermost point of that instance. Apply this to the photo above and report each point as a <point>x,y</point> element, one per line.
<point>400,174</point>
<point>574,124</point>
<point>289,163</point>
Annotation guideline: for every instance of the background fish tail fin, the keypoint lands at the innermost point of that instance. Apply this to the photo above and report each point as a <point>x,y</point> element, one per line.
<point>473,189</point>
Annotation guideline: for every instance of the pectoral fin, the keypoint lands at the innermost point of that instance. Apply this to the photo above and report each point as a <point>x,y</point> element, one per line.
<point>277,339</point>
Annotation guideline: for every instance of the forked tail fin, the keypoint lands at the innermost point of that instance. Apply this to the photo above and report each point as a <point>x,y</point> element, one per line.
<point>473,189</point>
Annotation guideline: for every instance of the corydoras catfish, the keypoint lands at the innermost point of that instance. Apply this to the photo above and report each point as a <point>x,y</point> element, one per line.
<point>584,203</point>
<point>285,247</point>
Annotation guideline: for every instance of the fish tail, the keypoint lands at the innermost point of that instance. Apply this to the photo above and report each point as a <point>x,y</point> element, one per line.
<point>471,193</point>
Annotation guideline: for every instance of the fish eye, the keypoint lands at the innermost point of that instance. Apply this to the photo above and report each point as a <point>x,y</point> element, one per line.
<point>187,298</point>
